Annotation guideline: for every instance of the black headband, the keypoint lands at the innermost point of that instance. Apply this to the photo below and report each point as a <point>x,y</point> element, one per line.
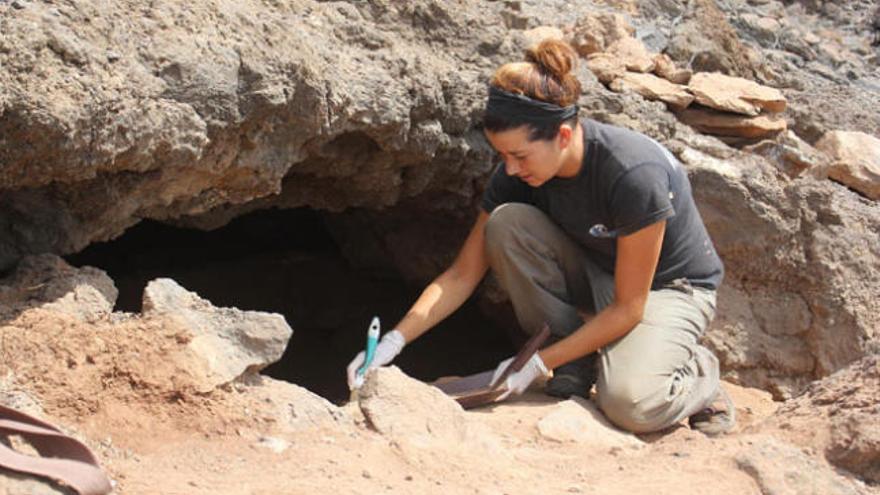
<point>515,107</point>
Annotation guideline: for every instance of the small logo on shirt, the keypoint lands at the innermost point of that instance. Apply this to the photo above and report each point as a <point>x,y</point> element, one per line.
<point>602,231</point>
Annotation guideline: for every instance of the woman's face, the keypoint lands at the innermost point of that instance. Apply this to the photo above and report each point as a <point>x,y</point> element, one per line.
<point>533,162</point>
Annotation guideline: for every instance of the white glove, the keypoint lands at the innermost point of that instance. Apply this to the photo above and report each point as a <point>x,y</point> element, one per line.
<point>518,381</point>
<point>387,349</point>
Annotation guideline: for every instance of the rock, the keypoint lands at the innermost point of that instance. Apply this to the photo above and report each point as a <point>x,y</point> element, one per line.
<point>781,469</point>
<point>633,54</point>
<point>795,304</point>
<point>735,94</point>
<point>654,88</point>
<point>606,67</point>
<point>665,68</point>
<point>764,29</point>
<point>727,124</point>
<point>409,411</point>
<point>47,281</point>
<point>855,160</point>
<point>597,31</point>
<point>838,416</point>
<point>227,342</point>
<point>536,35</point>
<point>792,155</point>
<point>579,421</point>
<point>707,40</point>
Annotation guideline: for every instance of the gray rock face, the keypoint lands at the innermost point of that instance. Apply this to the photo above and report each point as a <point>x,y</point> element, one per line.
<point>331,104</point>
<point>226,342</point>
<point>790,309</point>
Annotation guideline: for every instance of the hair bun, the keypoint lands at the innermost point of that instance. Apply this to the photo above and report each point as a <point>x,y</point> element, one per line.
<point>554,57</point>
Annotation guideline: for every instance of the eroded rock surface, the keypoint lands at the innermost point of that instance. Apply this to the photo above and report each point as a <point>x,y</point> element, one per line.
<point>838,416</point>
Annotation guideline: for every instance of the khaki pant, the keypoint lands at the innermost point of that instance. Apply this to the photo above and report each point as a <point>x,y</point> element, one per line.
<point>654,376</point>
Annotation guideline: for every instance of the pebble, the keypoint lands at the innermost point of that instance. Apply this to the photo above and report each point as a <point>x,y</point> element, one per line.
<point>17,5</point>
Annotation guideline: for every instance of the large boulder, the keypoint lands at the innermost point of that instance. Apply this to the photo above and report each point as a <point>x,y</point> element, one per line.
<point>226,342</point>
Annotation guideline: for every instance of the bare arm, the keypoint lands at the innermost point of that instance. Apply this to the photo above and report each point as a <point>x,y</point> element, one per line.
<point>451,288</point>
<point>637,257</point>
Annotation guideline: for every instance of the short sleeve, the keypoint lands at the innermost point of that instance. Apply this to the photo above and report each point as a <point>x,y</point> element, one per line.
<point>502,189</point>
<point>640,197</point>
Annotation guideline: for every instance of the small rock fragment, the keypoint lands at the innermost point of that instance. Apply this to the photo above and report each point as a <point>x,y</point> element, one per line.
<point>606,67</point>
<point>654,88</point>
<point>633,54</point>
<point>665,68</point>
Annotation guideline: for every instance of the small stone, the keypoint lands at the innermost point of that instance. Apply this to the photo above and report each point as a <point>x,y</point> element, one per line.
<point>366,474</point>
<point>112,56</point>
<point>17,5</point>
<point>408,477</point>
<point>633,54</point>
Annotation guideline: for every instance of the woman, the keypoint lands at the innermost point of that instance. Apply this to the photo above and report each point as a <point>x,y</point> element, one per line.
<point>592,229</point>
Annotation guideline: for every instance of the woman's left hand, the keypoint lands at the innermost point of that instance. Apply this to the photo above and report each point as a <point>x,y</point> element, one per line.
<point>518,381</point>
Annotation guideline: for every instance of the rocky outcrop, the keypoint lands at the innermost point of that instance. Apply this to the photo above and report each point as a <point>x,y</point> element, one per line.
<point>372,109</point>
<point>790,310</point>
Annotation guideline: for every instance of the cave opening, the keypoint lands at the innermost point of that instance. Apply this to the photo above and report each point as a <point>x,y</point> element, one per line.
<point>286,261</point>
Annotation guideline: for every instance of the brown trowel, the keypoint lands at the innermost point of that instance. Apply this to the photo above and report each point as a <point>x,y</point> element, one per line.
<point>477,390</point>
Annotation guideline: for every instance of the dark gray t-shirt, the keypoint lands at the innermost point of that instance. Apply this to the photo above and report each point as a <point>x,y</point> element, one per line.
<point>627,181</point>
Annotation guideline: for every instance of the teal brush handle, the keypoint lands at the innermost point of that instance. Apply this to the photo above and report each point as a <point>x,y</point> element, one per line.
<point>372,342</point>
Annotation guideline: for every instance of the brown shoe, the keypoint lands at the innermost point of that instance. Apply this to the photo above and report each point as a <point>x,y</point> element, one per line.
<point>718,418</point>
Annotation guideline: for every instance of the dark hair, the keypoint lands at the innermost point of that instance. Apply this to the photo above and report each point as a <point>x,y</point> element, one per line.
<point>545,75</point>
